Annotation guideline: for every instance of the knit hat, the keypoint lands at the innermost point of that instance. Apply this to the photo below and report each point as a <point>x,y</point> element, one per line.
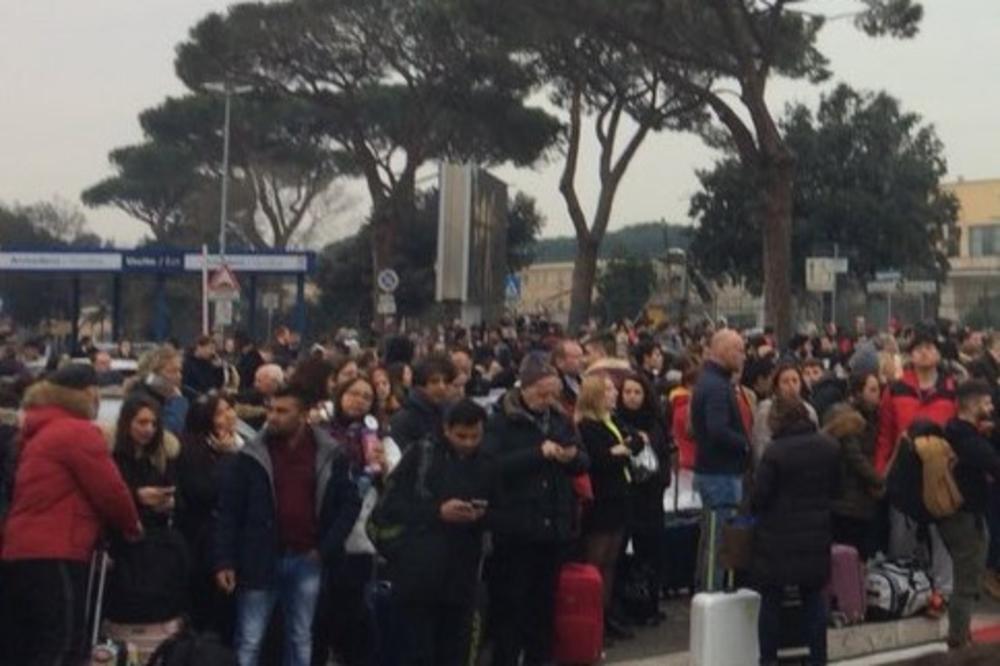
<point>74,376</point>
<point>865,359</point>
<point>534,368</point>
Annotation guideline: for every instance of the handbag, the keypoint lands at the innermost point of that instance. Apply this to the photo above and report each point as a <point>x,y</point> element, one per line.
<point>736,548</point>
<point>644,465</point>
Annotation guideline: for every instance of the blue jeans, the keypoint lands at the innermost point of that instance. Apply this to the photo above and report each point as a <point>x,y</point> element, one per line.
<point>297,588</point>
<point>720,497</point>
<point>719,490</point>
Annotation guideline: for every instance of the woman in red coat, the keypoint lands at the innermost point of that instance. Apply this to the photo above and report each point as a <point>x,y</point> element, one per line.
<point>66,489</point>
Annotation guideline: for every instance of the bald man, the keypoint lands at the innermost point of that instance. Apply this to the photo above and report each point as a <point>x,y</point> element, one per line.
<point>723,443</point>
<point>251,406</point>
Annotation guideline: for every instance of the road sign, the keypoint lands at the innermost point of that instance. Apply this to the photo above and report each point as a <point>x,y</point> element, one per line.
<point>888,276</point>
<point>270,300</point>
<point>512,287</point>
<point>883,287</point>
<point>223,286</point>
<point>388,281</point>
<point>224,313</point>
<point>386,304</point>
<point>920,287</point>
<point>821,273</point>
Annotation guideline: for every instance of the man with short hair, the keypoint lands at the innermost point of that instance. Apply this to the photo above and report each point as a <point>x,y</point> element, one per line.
<point>422,412</point>
<point>723,444</point>
<point>203,370</point>
<point>987,368</point>
<point>964,532</point>
<point>443,505</point>
<point>105,375</point>
<point>567,358</point>
<point>286,507</point>
<point>719,430</point>
<point>538,455</point>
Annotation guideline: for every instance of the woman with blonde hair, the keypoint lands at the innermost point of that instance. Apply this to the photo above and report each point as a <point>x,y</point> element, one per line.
<point>610,444</point>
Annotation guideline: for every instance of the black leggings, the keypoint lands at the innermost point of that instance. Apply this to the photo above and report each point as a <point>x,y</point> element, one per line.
<point>45,612</point>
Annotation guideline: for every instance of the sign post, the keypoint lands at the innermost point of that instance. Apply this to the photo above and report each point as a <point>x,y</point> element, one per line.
<point>223,290</point>
<point>821,277</point>
<point>270,301</point>
<point>387,282</point>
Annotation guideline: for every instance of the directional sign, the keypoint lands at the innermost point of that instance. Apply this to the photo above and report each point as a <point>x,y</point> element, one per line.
<point>888,276</point>
<point>821,273</point>
<point>920,287</point>
<point>388,281</point>
<point>883,287</point>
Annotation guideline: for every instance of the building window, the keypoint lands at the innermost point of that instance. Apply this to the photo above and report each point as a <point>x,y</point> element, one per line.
<point>984,241</point>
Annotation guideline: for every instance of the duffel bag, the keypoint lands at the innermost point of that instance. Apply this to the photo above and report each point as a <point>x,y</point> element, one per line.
<point>896,589</point>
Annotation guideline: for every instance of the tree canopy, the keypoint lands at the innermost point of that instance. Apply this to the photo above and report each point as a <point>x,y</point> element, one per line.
<point>867,178</point>
<point>398,83</point>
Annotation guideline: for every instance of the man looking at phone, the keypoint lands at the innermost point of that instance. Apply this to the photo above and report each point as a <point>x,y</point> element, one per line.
<point>440,494</point>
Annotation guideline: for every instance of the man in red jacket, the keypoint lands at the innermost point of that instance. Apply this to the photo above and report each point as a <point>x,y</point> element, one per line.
<point>66,489</point>
<point>924,393</point>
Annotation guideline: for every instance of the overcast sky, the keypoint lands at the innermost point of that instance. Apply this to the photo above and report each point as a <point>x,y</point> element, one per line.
<point>74,75</point>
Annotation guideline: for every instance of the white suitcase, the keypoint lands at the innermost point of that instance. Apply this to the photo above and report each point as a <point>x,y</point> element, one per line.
<point>724,628</point>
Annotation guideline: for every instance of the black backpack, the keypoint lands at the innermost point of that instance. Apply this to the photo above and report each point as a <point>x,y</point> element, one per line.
<point>905,477</point>
<point>190,649</point>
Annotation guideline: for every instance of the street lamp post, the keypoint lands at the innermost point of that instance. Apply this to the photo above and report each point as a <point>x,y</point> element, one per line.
<point>225,175</point>
<point>228,90</point>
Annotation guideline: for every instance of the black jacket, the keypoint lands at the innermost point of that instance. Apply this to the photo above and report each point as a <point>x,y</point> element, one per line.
<point>418,418</point>
<point>439,561</point>
<point>246,535</point>
<point>977,464</point>
<point>247,366</point>
<point>722,440</point>
<point>647,497</point>
<point>795,484</point>
<point>537,494</point>
<point>608,473</point>
<point>141,473</point>
<point>200,470</point>
<point>201,376</point>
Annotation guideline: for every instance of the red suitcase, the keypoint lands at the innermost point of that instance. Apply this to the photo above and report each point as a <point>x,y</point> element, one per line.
<point>846,590</point>
<point>579,617</point>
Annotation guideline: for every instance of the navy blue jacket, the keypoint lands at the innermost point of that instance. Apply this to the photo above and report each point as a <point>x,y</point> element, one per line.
<point>722,441</point>
<point>246,536</point>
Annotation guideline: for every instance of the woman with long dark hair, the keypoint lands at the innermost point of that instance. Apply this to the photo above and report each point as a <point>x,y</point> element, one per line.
<point>210,442</point>
<point>143,587</point>
<point>343,624</point>
<point>639,412</point>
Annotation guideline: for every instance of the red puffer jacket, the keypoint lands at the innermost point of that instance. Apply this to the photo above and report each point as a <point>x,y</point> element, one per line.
<point>902,404</point>
<point>67,485</point>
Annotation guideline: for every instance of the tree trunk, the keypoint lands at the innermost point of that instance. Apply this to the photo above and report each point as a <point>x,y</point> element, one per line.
<point>777,174</point>
<point>584,276</point>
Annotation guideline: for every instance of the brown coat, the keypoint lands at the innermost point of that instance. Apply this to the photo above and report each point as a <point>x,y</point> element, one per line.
<point>860,484</point>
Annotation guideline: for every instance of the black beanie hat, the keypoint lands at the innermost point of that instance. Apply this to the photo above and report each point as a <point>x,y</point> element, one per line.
<point>74,376</point>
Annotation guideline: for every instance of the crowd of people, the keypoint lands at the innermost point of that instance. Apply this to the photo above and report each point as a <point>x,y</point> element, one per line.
<point>412,502</point>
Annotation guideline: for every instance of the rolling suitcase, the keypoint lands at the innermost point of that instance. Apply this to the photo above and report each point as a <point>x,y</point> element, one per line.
<point>579,616</point>
<point>724,628</point>
<point>103,652</point>
<point>845,593</point>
